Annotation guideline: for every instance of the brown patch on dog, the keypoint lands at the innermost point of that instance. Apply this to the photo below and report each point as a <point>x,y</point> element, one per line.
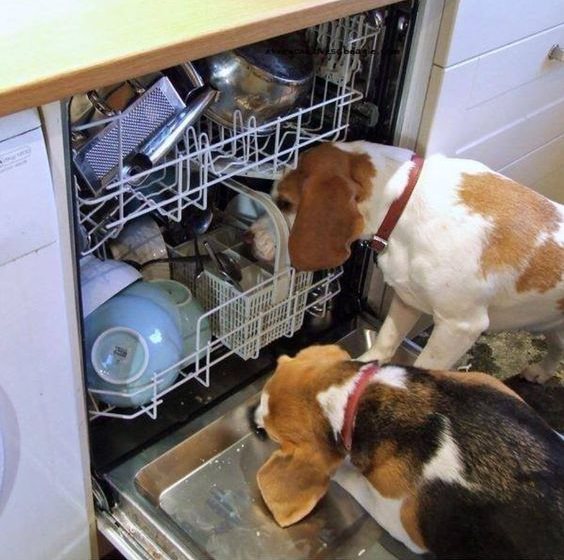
<point>410,406</point>
<point>294,386</point>
<point>289,190</point>
<point>328,160</point>
<point>410,520</point>
<point>519,215</point>
<point>475,378</point>
<point>560,304</point>
<point>296,476</point>
<point>544,270</point>
<point>325,191</point>
<point>392,474</point>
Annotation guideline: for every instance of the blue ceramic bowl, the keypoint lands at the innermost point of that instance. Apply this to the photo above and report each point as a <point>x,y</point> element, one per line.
<point>128,339</point>
<point>152,291</point>
<point>190,311</point>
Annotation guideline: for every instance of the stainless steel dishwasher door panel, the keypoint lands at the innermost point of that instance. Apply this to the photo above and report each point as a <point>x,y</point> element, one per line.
<point>197,492</point>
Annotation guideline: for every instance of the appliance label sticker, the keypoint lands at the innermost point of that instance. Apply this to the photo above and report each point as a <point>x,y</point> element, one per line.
<point>14,158</point>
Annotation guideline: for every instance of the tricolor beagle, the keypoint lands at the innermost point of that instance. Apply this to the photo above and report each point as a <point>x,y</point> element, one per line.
<point>456,463</point>
<point>472,248</point>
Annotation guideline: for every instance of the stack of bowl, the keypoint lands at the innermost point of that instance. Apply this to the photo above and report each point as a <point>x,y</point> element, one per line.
<point>137,335</point>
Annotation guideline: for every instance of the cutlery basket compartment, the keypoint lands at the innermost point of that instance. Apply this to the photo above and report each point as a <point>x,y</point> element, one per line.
<point>272,300</point>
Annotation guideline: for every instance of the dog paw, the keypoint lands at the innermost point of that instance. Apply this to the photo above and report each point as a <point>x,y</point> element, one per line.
<point>536,374</point>
<point>371,356</point>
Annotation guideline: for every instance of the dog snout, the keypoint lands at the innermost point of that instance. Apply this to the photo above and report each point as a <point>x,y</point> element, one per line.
<point>259,431</point>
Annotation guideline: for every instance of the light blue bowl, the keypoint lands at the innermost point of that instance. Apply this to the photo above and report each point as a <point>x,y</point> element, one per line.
<point>127,340</point>
<point>190,311</point>
<point>152,291</point>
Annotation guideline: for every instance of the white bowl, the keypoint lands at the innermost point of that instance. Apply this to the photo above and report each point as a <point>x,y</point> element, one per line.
<point>141,241</point>
<point>245,208</point>
<point>100,280</point>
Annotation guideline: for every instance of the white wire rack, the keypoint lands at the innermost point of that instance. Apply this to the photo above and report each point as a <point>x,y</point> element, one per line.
<point>242,322</point>
<point>246,336</point>
<point>210,153</point>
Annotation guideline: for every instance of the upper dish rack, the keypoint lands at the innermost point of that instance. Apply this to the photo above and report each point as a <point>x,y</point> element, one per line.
<point>268,302</point>
<point>344,53</point>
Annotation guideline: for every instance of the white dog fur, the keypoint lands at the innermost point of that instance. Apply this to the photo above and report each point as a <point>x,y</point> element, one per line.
<point>434,262</point>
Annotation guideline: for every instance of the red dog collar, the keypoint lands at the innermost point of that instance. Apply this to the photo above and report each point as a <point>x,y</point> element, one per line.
<point>380,239</point>
<point>366,372</point>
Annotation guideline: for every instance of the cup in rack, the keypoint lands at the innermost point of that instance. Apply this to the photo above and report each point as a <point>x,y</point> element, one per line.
<point>141,241</point>
<point>189,312</point>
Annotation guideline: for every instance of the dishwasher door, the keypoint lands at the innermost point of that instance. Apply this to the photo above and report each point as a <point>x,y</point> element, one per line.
<point>194,495</point>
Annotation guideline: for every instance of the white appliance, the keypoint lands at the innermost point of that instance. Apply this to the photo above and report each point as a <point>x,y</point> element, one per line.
<point>44,489</point>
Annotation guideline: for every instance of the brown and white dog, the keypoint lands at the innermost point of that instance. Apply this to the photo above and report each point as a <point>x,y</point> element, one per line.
<point>472,248</point>
<point>453,463</point>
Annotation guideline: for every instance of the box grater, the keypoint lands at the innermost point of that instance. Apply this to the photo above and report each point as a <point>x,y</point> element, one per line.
<point>97,162</point>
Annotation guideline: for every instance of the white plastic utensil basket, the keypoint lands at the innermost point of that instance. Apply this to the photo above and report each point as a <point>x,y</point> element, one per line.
<point>247,321</point>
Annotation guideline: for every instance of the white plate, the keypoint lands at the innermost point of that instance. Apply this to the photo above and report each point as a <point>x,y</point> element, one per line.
<point>100,280</point>
<point>141,241</point>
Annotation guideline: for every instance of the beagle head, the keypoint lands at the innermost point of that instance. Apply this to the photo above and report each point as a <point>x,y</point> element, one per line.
<point>323,195</point>
<point>296,477</point>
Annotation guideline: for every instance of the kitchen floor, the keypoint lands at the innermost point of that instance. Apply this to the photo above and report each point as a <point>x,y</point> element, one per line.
<point>505,354</point>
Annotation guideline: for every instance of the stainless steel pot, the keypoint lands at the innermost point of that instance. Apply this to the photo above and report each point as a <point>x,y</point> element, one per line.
<point>264,80</point>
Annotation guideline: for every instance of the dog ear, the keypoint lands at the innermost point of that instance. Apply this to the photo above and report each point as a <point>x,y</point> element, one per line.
<point>292,482</point>
<point>327,222</point>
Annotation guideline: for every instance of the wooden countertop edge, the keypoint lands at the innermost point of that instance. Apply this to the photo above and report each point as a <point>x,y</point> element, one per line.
<point>60,86</point>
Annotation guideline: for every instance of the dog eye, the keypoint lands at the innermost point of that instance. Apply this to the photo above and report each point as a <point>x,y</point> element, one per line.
<point>283,204</point>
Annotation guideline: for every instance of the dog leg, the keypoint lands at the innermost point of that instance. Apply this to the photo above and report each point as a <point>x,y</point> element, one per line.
<point>450,340</point>
<point>543,371</point>
<point>400,320</point>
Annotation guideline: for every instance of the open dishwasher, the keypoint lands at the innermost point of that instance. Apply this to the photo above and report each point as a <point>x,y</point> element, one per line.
<point>165,187</point>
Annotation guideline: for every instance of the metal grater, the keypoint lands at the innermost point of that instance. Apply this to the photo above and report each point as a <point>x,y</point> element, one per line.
<point>97,162</point>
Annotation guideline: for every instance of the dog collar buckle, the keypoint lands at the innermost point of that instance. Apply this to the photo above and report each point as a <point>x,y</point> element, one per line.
<point>378,244</point>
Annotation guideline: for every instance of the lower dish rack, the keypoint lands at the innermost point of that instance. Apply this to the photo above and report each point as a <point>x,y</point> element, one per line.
<point>245,323</point>
<point>269,303</point>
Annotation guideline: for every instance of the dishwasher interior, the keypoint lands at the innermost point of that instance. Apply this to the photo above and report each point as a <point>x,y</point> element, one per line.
<point>182,320</point>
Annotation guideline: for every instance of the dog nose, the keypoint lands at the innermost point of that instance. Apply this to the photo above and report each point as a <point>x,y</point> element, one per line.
<point>249,237</point>
<point>258,431</point>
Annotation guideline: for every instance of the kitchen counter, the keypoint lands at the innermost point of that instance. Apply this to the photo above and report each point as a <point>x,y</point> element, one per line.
<point>51,50</point>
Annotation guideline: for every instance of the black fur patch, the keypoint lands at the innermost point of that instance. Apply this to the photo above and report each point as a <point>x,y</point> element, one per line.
<point>513,464</point>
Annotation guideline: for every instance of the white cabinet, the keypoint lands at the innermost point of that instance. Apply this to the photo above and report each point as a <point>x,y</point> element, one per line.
<point>503,106</point>
<point>470,28</point>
